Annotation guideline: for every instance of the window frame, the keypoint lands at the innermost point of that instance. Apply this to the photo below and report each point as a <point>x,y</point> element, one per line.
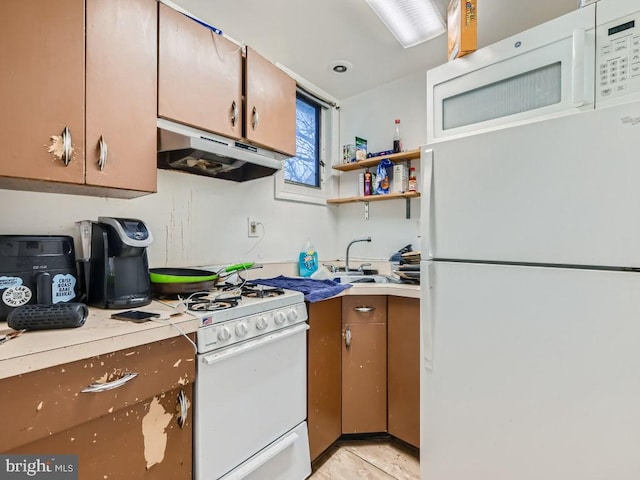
<point>328,148</point>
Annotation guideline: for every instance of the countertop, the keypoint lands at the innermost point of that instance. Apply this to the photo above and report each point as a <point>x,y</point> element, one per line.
<point>35,350</point>
<point>394,289</point>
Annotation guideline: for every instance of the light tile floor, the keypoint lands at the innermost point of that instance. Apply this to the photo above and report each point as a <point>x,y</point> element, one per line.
<point>367,459</point>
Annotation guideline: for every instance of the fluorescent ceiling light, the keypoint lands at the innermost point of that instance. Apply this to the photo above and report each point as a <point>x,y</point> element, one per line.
<point>411,21</point>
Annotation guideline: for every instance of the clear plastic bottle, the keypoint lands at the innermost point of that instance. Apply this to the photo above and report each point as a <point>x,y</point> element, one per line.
<point>413,181</point>
<point>308,260</point>
<point>397,139</point>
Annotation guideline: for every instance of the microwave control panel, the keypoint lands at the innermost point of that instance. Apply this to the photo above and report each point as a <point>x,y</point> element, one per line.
<point>618,58</point>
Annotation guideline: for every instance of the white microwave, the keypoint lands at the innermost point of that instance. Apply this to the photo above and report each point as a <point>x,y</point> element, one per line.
<point>586,59</point>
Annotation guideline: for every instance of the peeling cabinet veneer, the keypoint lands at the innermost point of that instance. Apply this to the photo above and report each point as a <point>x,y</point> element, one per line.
<point>154,425</point>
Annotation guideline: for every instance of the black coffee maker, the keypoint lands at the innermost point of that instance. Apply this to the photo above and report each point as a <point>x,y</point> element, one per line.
<point>117,270</point>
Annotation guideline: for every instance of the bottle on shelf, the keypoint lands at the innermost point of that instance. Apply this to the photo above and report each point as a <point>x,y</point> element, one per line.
<point>413,181</point>
<point>397,140</point>
<point>367,182</point>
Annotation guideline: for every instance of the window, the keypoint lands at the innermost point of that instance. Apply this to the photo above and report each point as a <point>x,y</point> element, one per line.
<point>304,168</point>
<point>303,178</point>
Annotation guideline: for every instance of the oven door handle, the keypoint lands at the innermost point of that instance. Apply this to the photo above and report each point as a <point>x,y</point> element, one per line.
<point>216,357</point>
<point>262,458</point>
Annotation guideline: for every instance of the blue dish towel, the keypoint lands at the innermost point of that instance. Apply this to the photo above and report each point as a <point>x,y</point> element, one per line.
<point>314,290</point>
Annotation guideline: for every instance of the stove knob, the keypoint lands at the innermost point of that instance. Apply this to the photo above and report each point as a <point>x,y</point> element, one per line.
<point>280,318</point>
<point>241,329</point>
<point>292,315</point>
<point>261,324</point>
<point>224,334</point>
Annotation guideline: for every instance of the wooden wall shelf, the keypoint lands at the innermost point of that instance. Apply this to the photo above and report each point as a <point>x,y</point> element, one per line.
<point>373,198</point>
<point>373,161</point>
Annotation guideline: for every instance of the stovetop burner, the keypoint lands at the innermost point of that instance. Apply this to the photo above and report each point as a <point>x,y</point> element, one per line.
<point>203,302</point>
<point>211,305</point>
<point>259,291</point>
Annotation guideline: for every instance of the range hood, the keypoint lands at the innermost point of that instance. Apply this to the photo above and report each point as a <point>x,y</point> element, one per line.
<point>184,148</point>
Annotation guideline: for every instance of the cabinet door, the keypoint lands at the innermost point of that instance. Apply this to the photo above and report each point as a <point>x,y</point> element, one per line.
<point>122,93</point>
<point>403,351</point>
<point>324,378</point>
<point>141,441</point>
<point>270,116</point>
<point>364,364</point>
<point>41,88</point>
<point>199,77</point>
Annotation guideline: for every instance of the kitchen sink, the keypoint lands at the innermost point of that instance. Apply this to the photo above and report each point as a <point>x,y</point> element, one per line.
<point>356,277</point>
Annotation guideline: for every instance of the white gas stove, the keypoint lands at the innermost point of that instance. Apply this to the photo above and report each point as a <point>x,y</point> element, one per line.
<point>229,316</point>
<point>251,361</point>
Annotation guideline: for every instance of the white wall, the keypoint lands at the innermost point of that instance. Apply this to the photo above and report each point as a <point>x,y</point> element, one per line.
<point>195,220</point>
<point>371,115</point>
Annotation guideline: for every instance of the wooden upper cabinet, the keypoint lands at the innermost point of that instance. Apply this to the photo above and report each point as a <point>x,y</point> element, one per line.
<point>42,92</point>
<point>270,109</point>
<point>199,77</point>
<point>122,93</point>
<point>41,88</point>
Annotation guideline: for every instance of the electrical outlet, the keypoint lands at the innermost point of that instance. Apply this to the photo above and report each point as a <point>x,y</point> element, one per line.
<point>252,225</point>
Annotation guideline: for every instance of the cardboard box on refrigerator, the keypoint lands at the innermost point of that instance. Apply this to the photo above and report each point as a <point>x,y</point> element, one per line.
<point>400,178</point>
<point>462,29</point>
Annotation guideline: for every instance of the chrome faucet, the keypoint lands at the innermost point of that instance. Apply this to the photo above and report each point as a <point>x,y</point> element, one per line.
<point>346,260</point>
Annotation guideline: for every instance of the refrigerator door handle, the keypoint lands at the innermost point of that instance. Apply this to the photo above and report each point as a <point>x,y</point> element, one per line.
<point>426,161</point>
<point>427,313</point>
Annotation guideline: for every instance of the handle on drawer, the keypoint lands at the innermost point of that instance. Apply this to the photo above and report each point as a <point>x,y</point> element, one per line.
<point>364,309</point>
<point>103,387</point>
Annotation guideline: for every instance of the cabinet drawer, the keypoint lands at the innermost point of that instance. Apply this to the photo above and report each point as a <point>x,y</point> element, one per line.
<point>44,402</point>
<point>364,309</point>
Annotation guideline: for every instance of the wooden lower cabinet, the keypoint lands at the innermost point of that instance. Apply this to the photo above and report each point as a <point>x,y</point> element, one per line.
<point>323,375</point>
<point>136,430</point>
<point>364,364</point>
<point>403,347</point>
<point>143,441</point>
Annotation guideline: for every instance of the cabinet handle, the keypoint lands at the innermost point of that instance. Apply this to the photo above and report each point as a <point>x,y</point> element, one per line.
<point>183,405</point>
<point>104,151</point>
<point>103,387</point>
<point>234,113</point>
<point>255,118</point>
<point>66,146</point>
<point>364,309</point>
<point>347,337</point>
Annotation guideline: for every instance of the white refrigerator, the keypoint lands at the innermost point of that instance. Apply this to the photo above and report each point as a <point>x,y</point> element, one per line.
<point>530,313</point>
